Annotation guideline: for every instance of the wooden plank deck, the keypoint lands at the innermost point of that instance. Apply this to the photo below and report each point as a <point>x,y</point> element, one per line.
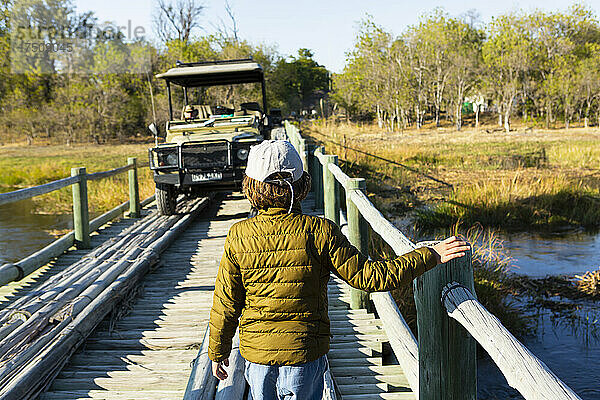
<point>148,353</point>
<point>355,357</point>
<point>356,352</point>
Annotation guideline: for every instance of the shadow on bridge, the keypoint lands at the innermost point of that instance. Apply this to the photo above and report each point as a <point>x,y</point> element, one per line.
<point>145,348</point>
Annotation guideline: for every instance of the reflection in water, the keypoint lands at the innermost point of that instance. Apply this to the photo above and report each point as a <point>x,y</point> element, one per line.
<point>23,233</point>
<point>565,254</point>
<point>571,351</point>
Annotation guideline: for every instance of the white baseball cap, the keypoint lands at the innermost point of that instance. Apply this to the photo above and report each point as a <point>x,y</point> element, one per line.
<point>273,156</point>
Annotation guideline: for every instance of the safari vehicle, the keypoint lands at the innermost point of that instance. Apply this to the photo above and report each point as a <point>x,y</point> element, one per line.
<point>206,146</point>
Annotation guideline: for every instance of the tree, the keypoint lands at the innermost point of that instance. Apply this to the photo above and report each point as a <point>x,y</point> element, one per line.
<point>346,93</point>
<point>433,41</point>
<point>176,19</point>
<point>297,81</point>
<point>587,76</point>
<point>508,55</point>
<point>369,65</point>
<point>465,61</point>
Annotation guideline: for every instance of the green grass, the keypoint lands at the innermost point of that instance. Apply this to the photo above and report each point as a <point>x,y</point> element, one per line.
<point>25,166</point>
<point>514,204</point>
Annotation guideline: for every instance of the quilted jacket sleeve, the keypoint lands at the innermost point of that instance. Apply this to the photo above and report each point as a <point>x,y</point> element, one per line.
<point>375,276</point>
<point>228,301</point>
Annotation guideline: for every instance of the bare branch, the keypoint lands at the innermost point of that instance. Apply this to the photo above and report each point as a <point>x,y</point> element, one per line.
<point>177,19</point>
<point>227,32</point>
<point>234,27</point>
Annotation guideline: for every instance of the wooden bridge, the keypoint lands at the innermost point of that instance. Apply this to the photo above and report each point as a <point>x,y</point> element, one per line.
<point>122,312</point>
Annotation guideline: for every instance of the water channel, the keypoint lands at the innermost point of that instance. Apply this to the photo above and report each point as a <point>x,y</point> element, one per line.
<point>23,233</point>
<point>567,342</point>
<point>571,351</point>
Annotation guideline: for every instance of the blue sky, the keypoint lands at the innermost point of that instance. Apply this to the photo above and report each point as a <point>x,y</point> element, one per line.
<point>327,27</point>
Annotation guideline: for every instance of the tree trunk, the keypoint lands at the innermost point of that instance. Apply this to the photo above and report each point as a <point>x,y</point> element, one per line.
<point>458,116</point>
<point>398,116</point>
<point>418,116</point>
<point>379,121</point>
<point>477,116</point>
<point>507,117</point>
<point>437,116</point>
<point>499,115</point>
<point>586,119</point>
<point>566,117</point>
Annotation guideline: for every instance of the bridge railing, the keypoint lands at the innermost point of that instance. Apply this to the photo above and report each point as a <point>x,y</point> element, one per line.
<point>450,320</point>
<point>82,226</point>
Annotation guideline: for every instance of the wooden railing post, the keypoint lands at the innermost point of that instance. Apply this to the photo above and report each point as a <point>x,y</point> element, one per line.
<point>310,159</point>
<point>447,352</point>
<point>358,233</point>
<point>330,189</point>
<point>134,193</point>
<point>81,216</point>
<point>302,151</point>
<point>318,178</point>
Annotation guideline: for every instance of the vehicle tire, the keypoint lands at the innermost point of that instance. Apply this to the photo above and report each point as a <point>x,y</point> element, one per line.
<point>166,199</point>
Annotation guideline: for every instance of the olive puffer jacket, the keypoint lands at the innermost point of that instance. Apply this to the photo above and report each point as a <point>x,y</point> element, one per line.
<point>274,274</point>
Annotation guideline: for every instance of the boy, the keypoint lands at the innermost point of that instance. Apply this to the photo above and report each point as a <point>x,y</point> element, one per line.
<point>274,274</point>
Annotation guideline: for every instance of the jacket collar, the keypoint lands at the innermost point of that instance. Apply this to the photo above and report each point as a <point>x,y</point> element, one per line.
<point>296,209</point>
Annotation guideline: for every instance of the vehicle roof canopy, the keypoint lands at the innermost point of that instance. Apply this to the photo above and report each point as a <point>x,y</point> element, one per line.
<point>213,74</point>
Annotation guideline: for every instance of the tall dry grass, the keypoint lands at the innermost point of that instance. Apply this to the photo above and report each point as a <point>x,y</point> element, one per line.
<point>589,283</point>
<point>523,201</point>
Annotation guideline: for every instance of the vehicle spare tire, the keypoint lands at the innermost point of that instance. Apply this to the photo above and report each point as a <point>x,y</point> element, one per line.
<point>166,199</point>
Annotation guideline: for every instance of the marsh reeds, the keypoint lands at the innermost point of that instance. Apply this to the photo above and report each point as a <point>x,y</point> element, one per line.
<point>518,202</point>
<point>589,283</point>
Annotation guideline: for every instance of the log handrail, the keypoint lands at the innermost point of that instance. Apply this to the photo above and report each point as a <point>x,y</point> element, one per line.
<point>110,173</point>
<point>16,271</point>
<point>340,176</point>
<point>27,193</point>
<point>82,226</point>
<point>202,385</point>
<point>34,191</point>
<point>524,372</point>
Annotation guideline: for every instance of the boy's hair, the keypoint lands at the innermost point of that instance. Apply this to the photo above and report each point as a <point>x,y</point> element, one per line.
<point>263,195</point>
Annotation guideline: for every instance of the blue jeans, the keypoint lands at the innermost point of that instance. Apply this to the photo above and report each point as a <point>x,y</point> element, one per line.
<point>286,382</point>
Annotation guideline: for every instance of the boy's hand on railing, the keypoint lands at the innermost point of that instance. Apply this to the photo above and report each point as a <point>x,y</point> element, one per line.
<point>450,249</point>
<point>218,370</point>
